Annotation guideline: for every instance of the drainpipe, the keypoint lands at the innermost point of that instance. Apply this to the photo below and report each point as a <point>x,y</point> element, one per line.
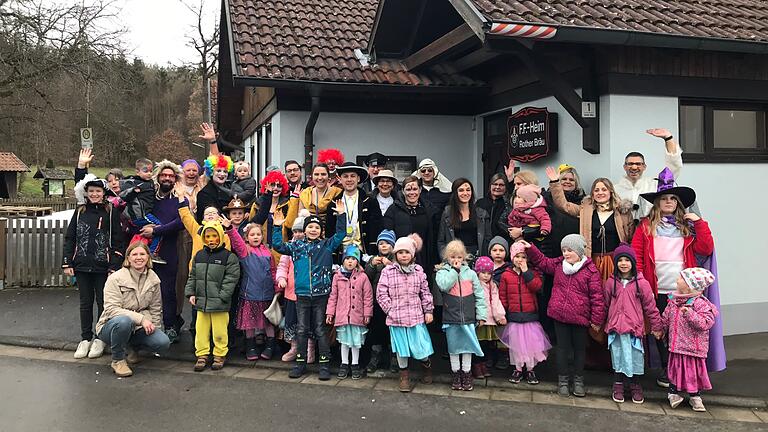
<point>309,140</point>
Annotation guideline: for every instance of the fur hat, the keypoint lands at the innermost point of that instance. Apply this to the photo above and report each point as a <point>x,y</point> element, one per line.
<point>697,278</point>
<point>312,219</point>
<point>387,236</point>
<point>165,164</point>
<point>574,242</point>
<point>515,249</point>
<point>412,243</point>
<point>484,265</point>
<point>298,223</point>
<point>214,162</point>
<point>275,176</point>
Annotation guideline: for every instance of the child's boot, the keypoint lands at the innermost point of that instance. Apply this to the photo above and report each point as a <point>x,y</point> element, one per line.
<point>324,373</point>
<point>467,382</point>
<point>357,372</point>
<point>291,354</point>
<point>393,366</point>
<point>310,351</point>
<point>618,392</point>
<point>426,367</point>
<point>269,350</point>
<point>201,363</point>
<point>299,369</point>
<point>456,383</point>
<point>578,386</point>
<point>250,349</point>
<point>343,372</point>
<point>405,381</point>
<point>674,400</point>
<point>697,404</point>
<point>637,393</point>
<point>477,371</point>
<point>562,385</point>
<point>218,363</point>
<point>373,364</point>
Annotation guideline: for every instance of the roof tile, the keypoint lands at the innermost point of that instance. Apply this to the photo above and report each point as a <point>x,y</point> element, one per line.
<point>10,162</point>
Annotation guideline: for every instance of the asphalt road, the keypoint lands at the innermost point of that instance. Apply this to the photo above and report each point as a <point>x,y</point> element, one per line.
<point>41,395</point>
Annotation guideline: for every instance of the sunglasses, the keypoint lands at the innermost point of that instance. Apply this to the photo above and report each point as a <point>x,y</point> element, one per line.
<point>426,170</point>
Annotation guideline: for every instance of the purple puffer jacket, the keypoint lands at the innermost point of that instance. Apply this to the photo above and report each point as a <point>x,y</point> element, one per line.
<point>576,299</point>
<point>629,305</point>
<point>689,332</point>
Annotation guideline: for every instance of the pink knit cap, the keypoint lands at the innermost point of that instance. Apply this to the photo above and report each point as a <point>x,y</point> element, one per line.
<point>697,278</point>
<point>529,193</point>
<point>412,243</point>
<point>484,265</point>
<point>515,249</point>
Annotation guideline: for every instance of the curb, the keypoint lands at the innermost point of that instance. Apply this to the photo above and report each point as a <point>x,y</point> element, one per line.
<point>493,382</point>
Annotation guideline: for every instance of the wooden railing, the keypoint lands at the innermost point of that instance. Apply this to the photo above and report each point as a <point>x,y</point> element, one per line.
<point>31,251</point>
<point>55,203</point>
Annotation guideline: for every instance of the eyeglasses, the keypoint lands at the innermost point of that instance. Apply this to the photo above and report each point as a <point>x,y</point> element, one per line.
<point>293,170</point>
<point>498,185</point>
<point>426,170</point>
<point>634,164</point>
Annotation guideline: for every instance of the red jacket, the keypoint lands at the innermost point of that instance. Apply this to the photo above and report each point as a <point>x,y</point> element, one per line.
<point>699,244</point>
<point>517,292</point>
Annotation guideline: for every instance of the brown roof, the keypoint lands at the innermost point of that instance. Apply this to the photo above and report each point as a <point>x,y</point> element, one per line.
<point>9,162</point>
<point>53,174</point>
<point>745,20</point>
<point>315,40</point>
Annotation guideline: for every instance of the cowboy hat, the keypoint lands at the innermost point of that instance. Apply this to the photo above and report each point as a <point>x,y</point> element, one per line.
<point>236,204</point>
<point>351,167</point>
<point>666,186</point>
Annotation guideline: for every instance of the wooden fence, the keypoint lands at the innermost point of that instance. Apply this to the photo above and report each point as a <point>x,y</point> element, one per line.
<point>31,251</point>
<point>55,203</point>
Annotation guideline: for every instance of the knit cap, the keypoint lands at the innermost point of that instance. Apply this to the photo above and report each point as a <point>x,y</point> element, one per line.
<point>352,251</point>
<point>298,223</point>
<point>515,249</point>
<point>574,242</point>
<point>387,236</point>
<point>484,264</point>
<point>625,250</point>
<point>312,219</point>
<point>529,193</point>
<point>411,243</point>
<point>697,278</point>
<point>498,240</point>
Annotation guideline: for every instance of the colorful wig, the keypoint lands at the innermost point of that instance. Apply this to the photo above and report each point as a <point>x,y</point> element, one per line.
<point>275,177</point>
<point>214,162</point>
<point>331,154</point>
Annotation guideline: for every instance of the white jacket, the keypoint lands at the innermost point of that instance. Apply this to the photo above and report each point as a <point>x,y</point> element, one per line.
<point>647,183</point>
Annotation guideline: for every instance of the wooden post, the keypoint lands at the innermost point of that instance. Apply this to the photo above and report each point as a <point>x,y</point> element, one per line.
<point>3,238</point>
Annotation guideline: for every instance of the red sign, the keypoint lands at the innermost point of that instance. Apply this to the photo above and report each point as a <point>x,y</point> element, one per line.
<point>532,134</point>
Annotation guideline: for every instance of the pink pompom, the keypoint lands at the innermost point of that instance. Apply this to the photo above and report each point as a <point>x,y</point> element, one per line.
<point>417,241</point>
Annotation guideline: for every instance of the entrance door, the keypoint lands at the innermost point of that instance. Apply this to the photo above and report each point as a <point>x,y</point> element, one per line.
<point>495,142</point>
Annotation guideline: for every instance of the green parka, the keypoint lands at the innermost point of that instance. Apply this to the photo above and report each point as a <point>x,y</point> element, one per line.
<point>213,276</point>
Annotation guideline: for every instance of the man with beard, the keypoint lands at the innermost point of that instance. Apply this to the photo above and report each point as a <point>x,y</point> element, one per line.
<point>293,174</point>
<point>363,216</point>
<point>634,183</point>
<point>215,193</point>
<point>166,209</point>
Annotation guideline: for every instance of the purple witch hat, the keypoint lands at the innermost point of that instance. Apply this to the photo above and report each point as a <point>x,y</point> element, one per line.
<point>666,186</point>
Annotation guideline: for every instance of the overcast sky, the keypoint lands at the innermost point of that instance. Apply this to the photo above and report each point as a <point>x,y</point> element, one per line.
<point>157,28</point>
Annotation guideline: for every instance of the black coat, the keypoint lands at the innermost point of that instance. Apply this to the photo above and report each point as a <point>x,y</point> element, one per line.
<point>438,199</point>
<point>94,240</point>
<point>496,208</point>
<point>562,223</point>
<point>211,196</point>
<point>245,189</point>
<point>369,217</point>
<point>399,219</point>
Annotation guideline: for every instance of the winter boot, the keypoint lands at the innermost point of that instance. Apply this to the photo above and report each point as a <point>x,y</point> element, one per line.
<point>269,350</point>
<point>393,366</point>
<point>324,373</point>
<point>477,371</point>
<point>578,386</point>
<point>637,393</point>
<point>357,372</point>
<point>562,385</point>
<point>291,354</point>
<point>467,382</point>
<point>426,377</point>
<point>618,392</point>
<point>405,381</point>
<point>373,364</point>
<point>456,383</point>
<point>250,349</point>
<point>299,368</point>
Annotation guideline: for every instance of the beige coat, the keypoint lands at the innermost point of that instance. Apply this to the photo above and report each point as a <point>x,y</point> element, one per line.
<point>133,295</point>
<point>584,211</point>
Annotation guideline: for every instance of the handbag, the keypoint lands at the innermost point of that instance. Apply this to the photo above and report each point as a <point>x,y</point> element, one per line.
<point>274,313</point>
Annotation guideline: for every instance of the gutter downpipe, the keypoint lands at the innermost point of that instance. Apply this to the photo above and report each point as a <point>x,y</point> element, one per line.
<point>309,132</point>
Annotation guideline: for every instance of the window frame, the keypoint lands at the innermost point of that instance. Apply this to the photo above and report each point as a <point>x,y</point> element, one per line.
<point>732,155</point>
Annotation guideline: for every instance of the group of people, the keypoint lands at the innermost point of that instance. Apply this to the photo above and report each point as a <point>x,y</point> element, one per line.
<point>357,256</point>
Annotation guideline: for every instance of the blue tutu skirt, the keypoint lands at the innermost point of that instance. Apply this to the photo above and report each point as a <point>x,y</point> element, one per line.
<point>627,354</point>
<point>351,335</point>
<point>411,341</point>
<point>462,339</point>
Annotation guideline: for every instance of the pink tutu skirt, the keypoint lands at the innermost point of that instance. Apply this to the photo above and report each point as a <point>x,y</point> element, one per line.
<point>688,373</point>
<point>528,344</point>
<point>250,315</point>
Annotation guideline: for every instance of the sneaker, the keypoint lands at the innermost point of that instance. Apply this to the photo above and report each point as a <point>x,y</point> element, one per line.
<point>157,260</point>
<point>173,336</point>
<point>517,376</point>
<point>637,393</point>
<point>357,373</point>
<point>697,404</point>
<point>82,349</point>
<point>531,379</point>
<point>578,386</point>
<point>217,363</point>
<point>96,349</point>
<point>618,392</point>
<point>662,380</point>
<point>201,364</point>
<point>562,386</point>
<point>456,383</point>
<point>343,372</point>
<point>298,370</point>
<point>674,400</point>
<point>121,369</point>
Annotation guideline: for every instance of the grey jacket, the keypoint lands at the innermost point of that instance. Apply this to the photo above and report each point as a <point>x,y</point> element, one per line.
<point>445,233</point>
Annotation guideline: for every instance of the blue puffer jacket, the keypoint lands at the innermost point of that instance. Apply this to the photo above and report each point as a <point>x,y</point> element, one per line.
<point>312,260</point>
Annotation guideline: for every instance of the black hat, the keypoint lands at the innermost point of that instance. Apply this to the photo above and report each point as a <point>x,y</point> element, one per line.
<point>97,183</point>
<point>666,186</point>
<point>312,219</point>
<point>376,159</point>
<point>351,167</point>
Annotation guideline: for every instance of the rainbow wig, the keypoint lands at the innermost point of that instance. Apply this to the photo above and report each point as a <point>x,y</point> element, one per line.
<point>275,177</point>
<point>331,154</point>
<point>214,162</point>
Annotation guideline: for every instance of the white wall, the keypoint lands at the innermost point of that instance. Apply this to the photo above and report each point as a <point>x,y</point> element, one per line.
<point>449,140</point>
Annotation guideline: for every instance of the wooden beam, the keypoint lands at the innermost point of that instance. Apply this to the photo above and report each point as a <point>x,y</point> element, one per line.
<point>432,52</point>
<point>471,16</point>
<point>473,59</point>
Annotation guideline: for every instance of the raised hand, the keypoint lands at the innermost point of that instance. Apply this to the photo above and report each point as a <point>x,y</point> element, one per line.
<point>208,132</point>
<point>525,244</point>
<point>340,208</point>
<point>278,218</point>
<point>85,158</point>
<point>509,170</point>
<point>659,132</point>
<point>552,174</point>
<point>180,191</point>
<point>297,189</point>
<point>693,217</point>
<point>225,222</point>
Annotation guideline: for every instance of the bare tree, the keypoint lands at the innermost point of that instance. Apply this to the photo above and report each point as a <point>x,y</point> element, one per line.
<point>203,39</point>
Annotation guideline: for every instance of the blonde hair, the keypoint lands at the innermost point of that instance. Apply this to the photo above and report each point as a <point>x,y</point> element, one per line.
<point>528,177</point>
<point>654,217</point>
<point>613,202</point>
<point>251,226</point>
<point>136,245</point>
<point>454,247</point>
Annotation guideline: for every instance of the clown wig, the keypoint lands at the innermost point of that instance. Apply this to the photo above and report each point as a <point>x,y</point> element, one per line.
<point>326,155</point>
<point>214,162</point>
<point>275,177</point>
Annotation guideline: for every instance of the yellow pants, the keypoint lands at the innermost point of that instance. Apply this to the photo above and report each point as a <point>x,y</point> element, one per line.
<point>207,323</point>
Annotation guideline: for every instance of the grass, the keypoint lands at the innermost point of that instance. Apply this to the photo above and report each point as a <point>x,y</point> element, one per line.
<point>33,188</point>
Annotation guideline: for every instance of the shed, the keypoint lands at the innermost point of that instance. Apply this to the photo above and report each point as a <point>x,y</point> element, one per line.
<point>10,167</point>
<point>53,180</point>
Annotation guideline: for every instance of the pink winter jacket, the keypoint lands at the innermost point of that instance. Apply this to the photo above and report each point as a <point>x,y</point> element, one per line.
<point>285,271</point>
<point>351,299</point>
<point>628,305</point>
<point>492,303</point>
<point>576,299</point>
<point>689,332</point>
<point>404,297</point>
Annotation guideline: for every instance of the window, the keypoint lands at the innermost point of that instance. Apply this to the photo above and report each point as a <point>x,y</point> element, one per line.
<point>723,132</point>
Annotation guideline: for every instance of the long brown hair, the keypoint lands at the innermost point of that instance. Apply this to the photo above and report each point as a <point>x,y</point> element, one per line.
<point>614,200</point>
<point>453,202</point>
<point>654,217</point>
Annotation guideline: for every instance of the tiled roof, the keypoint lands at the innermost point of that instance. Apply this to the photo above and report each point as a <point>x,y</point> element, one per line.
<point>315,40</point>
<point>745,20</point>
<point>9,162</point>
<point>53,174</point>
